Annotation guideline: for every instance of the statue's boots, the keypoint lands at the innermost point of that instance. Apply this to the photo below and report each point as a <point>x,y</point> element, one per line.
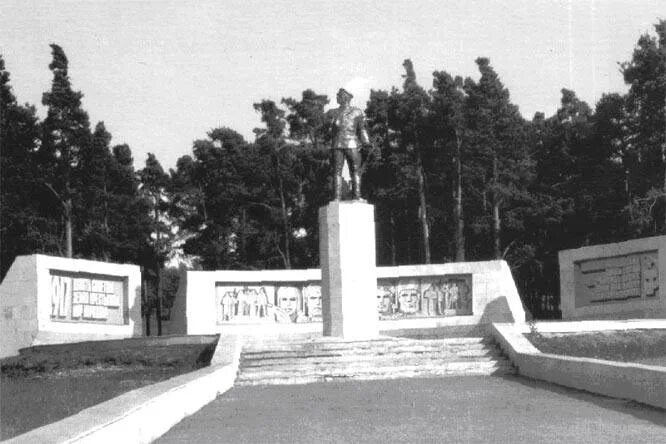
<point>356,186</point>
<point>337,187</point>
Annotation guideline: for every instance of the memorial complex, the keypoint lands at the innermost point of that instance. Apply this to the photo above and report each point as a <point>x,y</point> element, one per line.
<point>229,243</point>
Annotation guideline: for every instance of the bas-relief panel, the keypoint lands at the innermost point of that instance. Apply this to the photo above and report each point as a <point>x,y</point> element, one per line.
<point>87,298</point>
<point>269,302</point>
<point>297,302</point>
<point>424,297</point>
<point>616,279</point>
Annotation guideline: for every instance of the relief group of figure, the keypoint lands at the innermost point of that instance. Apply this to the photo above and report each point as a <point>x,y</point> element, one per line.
<point>293,303</point>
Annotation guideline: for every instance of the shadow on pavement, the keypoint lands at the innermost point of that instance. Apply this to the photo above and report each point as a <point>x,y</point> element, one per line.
<point>645,412</point>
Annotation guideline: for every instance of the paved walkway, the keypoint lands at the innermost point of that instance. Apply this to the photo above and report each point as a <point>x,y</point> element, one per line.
<point>452,409</point>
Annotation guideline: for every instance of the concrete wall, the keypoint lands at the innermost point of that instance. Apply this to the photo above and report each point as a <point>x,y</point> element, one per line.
<point>615,281</point>
<point>494,297</point>
<point>145,414</point>
<point>642,383</point>
<point>26,302</point>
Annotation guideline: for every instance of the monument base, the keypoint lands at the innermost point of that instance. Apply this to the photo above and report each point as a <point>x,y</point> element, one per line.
<point>348,270</point>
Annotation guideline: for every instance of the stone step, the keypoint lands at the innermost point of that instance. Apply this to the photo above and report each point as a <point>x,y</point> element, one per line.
<point>333,341</point>
<point>370,364</point>
<point>406,356</point>
<point>328,359</point>
<point>391,373</point>
<point>365,345</point>
<point>353,368</point>
<point>363,351</point>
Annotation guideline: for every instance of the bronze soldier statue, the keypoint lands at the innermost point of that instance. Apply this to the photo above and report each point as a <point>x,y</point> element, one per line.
<point>349,135</point>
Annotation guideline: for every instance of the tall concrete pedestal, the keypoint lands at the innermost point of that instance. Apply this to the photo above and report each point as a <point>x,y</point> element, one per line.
<point>348,276</point>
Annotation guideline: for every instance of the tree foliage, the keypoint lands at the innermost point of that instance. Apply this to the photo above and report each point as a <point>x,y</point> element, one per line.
<point>64,191</point>
<point>456,173</point>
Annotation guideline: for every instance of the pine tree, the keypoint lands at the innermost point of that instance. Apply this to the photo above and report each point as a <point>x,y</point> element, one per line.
<point>309,136</point>
<point>646,104</point>
<point>66,131</point>
<point>93,212</point>
<point>448,113</point>
<point>409,117</point>
<point>497,137</point>
<point>23,227</point>
<point>129,220</point>
<point>154,183</point>
<point>384,181</point>
<point>272,143</point>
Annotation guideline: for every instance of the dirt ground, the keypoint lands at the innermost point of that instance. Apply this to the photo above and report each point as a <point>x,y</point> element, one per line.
<point>450,409</point>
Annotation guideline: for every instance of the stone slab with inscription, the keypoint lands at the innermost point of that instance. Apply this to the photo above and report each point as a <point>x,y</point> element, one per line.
<point>46,299</point>
<point>620,280</point>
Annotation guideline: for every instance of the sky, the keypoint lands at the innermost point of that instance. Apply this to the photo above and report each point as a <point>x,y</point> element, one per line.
<point>161,74</point>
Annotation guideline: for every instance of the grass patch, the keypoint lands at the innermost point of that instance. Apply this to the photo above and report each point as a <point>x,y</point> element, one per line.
<point>47,383</point>
<point>647,346</point>
<point>30,402</point>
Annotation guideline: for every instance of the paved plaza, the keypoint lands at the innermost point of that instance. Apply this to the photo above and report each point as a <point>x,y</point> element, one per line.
<point>472,409</point>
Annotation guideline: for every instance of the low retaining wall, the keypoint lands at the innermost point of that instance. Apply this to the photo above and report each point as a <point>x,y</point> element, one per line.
<point>46,299</point>
<point>621,281</point>
<point>642,383</point>
<point>276,302</point>
<point>145,414</point>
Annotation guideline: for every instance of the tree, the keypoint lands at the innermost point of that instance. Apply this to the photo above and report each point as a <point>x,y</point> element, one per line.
<point>610,170</point>
<point>66,131</point>
<point>410,116</point>
<point>272,142</point>
<point>386,185</point>
<point>646,103</point>
<point>217,200</point>
<point>309,136</point>
<point>92,208</point>
<point>129,219</point>
<point>154,182</point>
<point>306,118</point>
<point>24,228</point>
<point>497,139</point>
<point>448,109</point>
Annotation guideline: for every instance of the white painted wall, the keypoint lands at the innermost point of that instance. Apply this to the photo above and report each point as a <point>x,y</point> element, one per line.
<point>642,383</point>
<point>636,308</point>
<point>25,303</point>
<point>494,297</point>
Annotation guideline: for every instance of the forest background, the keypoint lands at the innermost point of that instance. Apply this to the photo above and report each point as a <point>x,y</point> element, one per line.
<point>455,174</point>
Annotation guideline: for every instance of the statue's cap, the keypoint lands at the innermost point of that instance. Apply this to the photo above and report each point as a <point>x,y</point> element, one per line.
<point>344,92</point>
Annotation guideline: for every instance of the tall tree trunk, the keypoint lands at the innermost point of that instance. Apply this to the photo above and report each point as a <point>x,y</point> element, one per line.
<point>68,228</point>
<point>409,247</point>
<point>423,211</point>
<point>145,301</point>
<point>458,212</point>
<point>285,224</point>
<point>627,194</point>
<point>106,208</point>
<point>394,250</point>
<point>158,302</point>
<point>203,204</point>
<point>496,211</point>
<point>663,144</point>
<point>243,237</point>
<point>497,230</point>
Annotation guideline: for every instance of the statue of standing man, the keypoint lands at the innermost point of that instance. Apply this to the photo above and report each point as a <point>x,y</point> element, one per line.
<point>349,135</point>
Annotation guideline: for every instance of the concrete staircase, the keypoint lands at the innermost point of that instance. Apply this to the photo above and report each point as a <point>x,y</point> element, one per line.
<point>329,359</point>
